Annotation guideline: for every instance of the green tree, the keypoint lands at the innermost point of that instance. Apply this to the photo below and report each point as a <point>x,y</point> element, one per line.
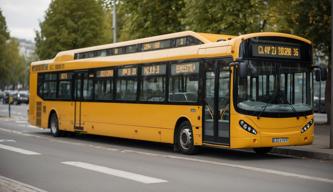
<point>70,24</point>
<point>4,36</point>
<point>16,63</point>
<point>144,18</point>
<point>225,16</point>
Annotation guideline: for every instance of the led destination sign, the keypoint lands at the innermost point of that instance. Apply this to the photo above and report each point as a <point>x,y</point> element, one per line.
<point>276,51</point>
<point>127,72</point>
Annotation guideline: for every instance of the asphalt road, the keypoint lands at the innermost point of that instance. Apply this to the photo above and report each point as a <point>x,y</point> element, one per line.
<point>32,157</point>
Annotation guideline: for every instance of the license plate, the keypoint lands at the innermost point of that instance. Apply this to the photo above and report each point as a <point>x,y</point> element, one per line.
<point>280,140</point>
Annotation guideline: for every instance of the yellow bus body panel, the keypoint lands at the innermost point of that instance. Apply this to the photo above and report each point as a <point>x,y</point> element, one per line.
<point>150,122</point>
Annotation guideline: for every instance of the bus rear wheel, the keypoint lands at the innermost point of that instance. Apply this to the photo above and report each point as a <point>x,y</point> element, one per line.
<point>184,141</point>
<point>263,150</point>
<point>54,126</point>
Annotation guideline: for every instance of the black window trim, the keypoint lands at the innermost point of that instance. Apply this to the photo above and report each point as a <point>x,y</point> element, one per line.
<point>138,77</point>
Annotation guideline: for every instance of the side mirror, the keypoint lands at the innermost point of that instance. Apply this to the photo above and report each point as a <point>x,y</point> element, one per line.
<point>321,74</point>
<point>247,68</point>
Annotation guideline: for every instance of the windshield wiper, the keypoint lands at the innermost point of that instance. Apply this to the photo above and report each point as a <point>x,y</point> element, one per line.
<point>293,108</point>
<point>263,110</point>
<point>268,104</point>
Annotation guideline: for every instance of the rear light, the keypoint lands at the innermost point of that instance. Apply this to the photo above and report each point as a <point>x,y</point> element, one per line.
<point>247,127</point>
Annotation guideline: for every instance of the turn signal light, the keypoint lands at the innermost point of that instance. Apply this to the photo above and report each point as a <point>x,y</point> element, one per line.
<point>307,126</point>
<point>247,127</point>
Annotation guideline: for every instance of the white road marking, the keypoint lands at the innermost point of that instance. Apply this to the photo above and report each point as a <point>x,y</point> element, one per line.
<point>7,140</point>
<point>51,139</point>
<point>18,132</point>
<point>21,121</point>
<point>8,184</point>
<point>115,172</point>
<point>249,168</point>
<point>262,170</point>
<point>18,150</point>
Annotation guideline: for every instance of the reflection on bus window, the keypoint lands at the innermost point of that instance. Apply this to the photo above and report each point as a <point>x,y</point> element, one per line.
<point>126,89</point>
<point>103,89</point>
<point>184,82</point>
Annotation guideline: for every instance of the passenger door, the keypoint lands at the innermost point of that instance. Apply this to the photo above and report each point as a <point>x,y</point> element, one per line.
<point>216,118</point>
<point>77,84</point>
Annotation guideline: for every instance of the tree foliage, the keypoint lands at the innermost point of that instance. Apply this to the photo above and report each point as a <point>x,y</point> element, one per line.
<point>225,16</point>
<point>4,35</point>
<point>309,19</point>
<point>16,63</point>
<point>11,62</point>
<point>70,24</point>
<point>144,18</point>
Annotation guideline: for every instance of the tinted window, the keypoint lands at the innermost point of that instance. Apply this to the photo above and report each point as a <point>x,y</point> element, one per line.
<point>103,89</point>
<point>65,86</point>
<point>88,87</point>
<point>153,83</point>
<point>104,84</point>
<point>127,84</point>
<point>47,85</point>
<point>183,85</point>
<point>64,90</point>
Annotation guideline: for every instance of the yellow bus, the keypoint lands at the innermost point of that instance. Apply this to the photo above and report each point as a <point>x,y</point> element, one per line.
<point>188,89</point>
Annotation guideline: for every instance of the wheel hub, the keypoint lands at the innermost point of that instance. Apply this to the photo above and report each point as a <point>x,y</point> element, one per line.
<point>53,127</point>
<point>185,138</point>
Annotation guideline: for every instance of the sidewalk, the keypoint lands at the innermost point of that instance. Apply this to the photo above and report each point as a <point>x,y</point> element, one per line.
<point>320,147</point>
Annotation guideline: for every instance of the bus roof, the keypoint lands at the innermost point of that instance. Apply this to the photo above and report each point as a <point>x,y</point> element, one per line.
<point>203,38</point>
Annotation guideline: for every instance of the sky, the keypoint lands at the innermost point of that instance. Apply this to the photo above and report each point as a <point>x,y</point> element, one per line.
<point>23,16</point>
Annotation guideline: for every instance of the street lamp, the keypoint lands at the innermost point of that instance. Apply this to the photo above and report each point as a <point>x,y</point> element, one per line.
<point>114,20</point>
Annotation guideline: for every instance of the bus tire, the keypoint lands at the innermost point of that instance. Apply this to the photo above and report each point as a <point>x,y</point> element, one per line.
<point>262,150</point>
<point>54,125</point>
<point>184,140</point>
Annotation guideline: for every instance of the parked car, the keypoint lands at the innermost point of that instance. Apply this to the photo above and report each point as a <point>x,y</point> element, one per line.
<point>6,96</point>
<point>21,97</point>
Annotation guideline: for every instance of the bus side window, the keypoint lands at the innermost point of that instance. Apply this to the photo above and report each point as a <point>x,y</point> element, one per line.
<point>88,87</point>
<point>184,82</point>
<point>153,84</point>
<point>64,86</point>
<point>104,89</point>
<point>127,82</point>
<point>47,85</point>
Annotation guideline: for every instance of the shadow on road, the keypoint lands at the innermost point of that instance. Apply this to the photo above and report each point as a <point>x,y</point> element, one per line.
<point>229,154</point>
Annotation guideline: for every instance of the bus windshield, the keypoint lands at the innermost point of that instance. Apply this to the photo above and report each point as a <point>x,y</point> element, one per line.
<point>275,88</point>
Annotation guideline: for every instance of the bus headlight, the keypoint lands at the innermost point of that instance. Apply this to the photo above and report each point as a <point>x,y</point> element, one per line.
<point>307,126</point>
<point>247,127</point>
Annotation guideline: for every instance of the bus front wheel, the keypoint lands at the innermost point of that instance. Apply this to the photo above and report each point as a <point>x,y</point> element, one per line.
<point>185,141</point>
<point>262,150</point>
<point>54,125</point>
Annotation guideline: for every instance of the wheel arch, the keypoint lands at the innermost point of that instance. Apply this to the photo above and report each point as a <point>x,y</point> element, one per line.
<point>178,122</point>
<point>52,111</point>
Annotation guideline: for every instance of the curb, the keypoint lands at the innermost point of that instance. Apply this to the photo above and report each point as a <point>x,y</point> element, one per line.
<point>303,153</point>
